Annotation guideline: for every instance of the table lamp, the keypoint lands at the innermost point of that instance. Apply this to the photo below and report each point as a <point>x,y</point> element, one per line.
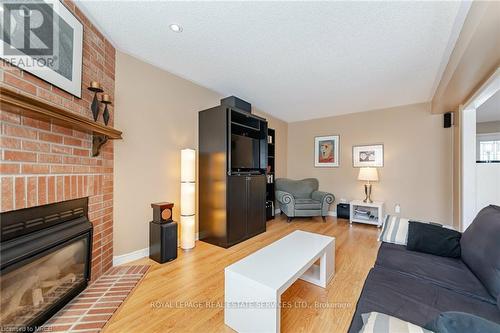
<point>368,175</point>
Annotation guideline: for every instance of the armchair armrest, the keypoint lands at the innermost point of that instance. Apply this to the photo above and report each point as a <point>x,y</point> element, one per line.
<point>324,197</point>
<point>285,198</point>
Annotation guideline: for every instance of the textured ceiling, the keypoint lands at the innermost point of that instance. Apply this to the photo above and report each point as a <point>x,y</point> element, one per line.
<point>489,110</point>
<point>293,60</point>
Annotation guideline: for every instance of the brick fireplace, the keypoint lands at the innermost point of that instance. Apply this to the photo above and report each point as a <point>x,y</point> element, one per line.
<point>44,163</point>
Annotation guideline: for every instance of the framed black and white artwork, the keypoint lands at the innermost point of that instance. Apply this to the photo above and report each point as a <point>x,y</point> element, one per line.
<point>368,156</point>
<point>45,39</point>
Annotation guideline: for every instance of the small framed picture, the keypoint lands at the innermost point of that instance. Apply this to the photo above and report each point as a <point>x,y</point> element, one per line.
<point>326,151</point>
<point>368,156</point>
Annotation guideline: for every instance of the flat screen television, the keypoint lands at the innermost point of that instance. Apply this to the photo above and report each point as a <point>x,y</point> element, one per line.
<point>245,152</point>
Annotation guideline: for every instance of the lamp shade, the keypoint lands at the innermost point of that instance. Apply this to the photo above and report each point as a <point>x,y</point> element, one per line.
<point>188,198</point>
<point>188,166</point>
<point>187,232</point>
<point>368,174</point>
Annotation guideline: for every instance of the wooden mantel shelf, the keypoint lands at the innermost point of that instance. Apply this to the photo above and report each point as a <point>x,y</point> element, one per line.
<point>32,107</point>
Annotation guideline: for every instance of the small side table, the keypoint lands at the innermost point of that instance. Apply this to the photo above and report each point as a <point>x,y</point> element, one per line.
<point>374,216</point>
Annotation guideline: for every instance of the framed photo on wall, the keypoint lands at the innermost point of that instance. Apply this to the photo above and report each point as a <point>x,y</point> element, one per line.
<point>326,151</point>
<point>46,40</point>
<point>368,156</point>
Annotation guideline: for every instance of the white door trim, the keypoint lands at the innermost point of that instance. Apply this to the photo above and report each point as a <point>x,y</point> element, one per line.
<point>468,154</point>
<point>467,115</point>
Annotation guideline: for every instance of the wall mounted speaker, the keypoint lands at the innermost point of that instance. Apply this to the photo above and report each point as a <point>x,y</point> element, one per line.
<point>162,212</point>
<point>448,120</point>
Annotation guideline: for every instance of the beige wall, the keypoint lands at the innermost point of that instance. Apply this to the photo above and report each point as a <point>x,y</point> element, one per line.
<point>475,57</point>
<point>417,153</point>
<point>488,127</point>
<point>158,114</point>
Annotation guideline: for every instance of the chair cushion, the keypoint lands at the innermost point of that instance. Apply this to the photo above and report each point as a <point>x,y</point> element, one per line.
<point>449,273</point>
<point>375,322</point>
<point>414,300</point>
<point>480,246</point>
<point>300,189</point>
<point>307,204</point>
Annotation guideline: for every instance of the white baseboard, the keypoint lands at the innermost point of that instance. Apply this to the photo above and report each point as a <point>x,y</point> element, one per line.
<point>131,256</point>
<point>128,257</point>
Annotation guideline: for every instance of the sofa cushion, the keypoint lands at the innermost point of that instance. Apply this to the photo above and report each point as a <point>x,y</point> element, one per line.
<point>375,322</point>
<point>449,273</point>
<point>480,245</point>
<point>414,300</point>
<point>460,322</point>
<point>304,204</point>
<point>433,239</point>
<point>395,230</point>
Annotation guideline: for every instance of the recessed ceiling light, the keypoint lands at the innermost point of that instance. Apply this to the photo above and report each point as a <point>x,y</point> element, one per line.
<point>175,28</point>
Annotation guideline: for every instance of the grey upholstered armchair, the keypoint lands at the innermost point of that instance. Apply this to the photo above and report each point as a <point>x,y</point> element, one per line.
<point>302,198</point>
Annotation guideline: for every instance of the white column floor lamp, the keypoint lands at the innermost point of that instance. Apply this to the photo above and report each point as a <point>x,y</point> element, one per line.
<point>188,198</point>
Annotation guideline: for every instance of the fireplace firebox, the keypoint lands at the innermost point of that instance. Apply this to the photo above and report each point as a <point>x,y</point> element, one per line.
<point>45,260</point>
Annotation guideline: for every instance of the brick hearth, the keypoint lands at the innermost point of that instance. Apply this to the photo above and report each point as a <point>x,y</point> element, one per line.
<point>44,163</point>
<point>92,309</point>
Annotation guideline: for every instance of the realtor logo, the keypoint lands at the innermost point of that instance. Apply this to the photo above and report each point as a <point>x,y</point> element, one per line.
<point>45,39</point>
<point>28,34</point>
<point>28,28</point>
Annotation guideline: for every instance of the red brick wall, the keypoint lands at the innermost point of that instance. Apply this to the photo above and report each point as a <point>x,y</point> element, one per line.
<point>44,163</point>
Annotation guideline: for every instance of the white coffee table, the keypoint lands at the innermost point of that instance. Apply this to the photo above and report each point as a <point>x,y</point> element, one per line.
<point>253,285</point>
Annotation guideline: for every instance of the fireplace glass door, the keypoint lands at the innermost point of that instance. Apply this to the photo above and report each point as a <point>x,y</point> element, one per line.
<point>31,289</point>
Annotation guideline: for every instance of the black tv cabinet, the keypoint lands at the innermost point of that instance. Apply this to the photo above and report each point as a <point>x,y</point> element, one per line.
<point>232,202</point>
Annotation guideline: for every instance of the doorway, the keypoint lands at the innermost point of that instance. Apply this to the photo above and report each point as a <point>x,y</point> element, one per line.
<point>480,150</point>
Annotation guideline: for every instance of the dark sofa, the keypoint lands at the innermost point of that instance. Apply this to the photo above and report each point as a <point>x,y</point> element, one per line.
<point>417,287</point>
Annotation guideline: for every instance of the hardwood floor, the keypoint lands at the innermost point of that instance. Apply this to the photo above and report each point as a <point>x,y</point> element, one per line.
<point>187,294</point>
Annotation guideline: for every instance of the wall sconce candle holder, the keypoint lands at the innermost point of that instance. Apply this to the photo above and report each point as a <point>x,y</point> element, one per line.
<point>94,107</point>
<point>106,100</point>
